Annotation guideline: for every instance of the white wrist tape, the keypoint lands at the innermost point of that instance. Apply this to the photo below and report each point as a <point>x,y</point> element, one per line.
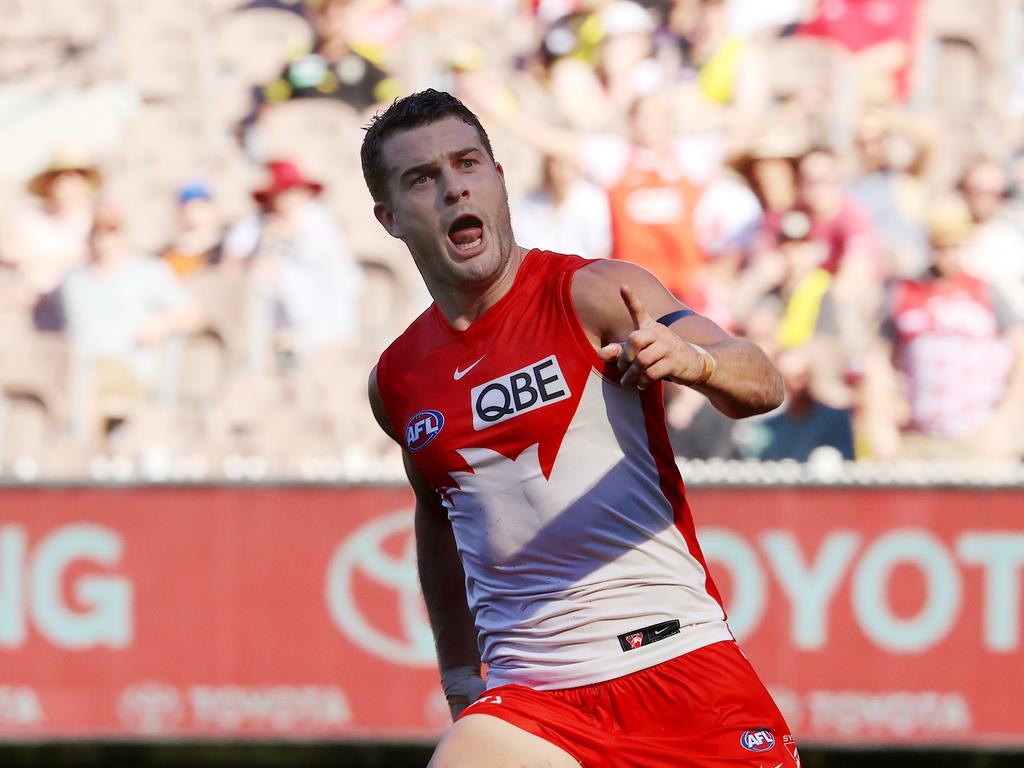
<point>463,681</point>
<point>707,360</point>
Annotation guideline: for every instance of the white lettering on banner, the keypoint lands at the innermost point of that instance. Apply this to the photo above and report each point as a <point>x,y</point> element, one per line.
<point>747,602</point>
<point>812,589</point>
<point>19,705</point>
<point>809,579</point>
<point>107,600</point>
<point>1001,554</point>
<point>279,707</point>
<point>12,590</point>
<point>809,590</point>
<point>897,713</point>
<point>942,584</point>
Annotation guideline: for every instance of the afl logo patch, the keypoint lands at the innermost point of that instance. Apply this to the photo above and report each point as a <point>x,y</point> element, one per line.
<point>757,740</point>
<point>422,428</point>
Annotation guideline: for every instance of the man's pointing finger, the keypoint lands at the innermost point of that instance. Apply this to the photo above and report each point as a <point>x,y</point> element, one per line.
<point>636,308</point>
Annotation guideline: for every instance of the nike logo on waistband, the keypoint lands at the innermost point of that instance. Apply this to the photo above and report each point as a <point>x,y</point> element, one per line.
<point>459,374</point>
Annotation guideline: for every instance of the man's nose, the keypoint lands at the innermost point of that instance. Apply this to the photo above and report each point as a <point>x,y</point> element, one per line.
<point>455,188</point>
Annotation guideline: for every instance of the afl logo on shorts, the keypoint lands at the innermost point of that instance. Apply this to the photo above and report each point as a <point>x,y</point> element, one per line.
<point>422,428</point>
<point>531,387</point>
<point>757,740</point>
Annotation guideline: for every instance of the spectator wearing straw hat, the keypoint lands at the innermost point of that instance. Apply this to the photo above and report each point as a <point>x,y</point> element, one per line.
<point>49,239</point>
<point>304,282</point>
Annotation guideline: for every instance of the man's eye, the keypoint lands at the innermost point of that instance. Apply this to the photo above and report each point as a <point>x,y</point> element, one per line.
<point>419,181</point>
<point>468,163</point>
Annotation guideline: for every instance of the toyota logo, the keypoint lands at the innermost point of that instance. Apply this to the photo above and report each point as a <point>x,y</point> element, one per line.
<point>150,707</point>
<point>366,555</point>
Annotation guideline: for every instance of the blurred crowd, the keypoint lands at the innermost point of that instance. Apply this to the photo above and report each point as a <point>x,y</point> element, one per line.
<point>192,283</point>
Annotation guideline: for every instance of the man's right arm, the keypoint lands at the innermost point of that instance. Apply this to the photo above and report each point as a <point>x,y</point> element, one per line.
<point>442,580</point>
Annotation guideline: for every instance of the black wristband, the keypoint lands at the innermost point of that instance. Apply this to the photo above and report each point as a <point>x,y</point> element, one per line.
<point>671,317</point>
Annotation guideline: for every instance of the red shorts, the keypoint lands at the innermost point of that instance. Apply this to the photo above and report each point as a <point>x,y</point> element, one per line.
<point>702,709</point>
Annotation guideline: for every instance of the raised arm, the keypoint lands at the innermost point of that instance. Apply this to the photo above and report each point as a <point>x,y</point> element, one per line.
<point>442,580</point>
<point>619,305</point>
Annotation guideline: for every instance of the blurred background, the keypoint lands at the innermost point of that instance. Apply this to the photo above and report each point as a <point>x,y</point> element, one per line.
<point>193,290</point>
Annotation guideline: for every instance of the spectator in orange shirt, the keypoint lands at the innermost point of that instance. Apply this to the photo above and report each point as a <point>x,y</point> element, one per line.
<point>652,178</point>
<point>200,234</point>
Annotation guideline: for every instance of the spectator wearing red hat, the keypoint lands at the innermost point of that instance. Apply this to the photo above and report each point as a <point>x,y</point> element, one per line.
<point>305,283</point>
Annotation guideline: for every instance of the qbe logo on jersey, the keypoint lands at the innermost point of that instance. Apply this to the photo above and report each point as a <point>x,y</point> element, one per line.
<point>531,387</point>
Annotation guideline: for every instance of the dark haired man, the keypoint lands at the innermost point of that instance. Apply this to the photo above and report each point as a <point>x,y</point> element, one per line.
<point>553,536</point>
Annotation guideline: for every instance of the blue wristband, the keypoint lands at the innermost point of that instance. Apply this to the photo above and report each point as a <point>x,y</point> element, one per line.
<point>671,317</point>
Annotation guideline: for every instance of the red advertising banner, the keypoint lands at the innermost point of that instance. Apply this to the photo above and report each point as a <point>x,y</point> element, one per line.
<point>875,615</point>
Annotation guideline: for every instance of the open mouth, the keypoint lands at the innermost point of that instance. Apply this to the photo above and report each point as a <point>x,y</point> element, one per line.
<point>466,233</point>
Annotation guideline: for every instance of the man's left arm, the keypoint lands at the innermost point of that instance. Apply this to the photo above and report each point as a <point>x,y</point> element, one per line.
<point>620,305</point>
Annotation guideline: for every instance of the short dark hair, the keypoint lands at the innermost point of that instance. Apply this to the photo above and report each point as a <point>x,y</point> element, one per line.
<point>413,111</point>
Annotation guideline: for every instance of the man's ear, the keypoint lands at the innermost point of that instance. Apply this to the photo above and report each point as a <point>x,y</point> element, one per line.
<point>386,217</point>
<point>501,175</point>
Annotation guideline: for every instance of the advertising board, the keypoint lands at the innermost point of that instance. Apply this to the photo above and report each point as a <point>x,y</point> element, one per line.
<point>876,616</point>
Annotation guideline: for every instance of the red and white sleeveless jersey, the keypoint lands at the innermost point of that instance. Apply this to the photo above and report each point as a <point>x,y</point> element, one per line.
<point>567,506</point>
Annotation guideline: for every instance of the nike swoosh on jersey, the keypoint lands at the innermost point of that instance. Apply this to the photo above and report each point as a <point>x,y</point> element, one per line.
<point>459,374</point>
